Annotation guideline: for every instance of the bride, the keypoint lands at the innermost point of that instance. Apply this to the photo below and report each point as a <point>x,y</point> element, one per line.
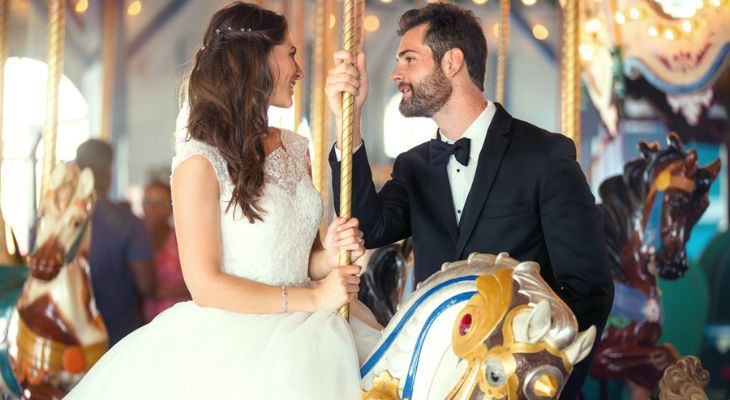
<point>263,321</point>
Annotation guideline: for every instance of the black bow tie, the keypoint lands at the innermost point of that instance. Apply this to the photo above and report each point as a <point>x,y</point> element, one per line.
<point>441,151</point>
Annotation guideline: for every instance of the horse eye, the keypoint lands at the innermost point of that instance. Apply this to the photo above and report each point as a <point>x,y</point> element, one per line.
<point>494,373</point>
<point>678,201</point>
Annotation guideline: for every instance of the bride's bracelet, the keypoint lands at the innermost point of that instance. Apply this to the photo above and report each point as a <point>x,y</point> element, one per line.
<point>284,302</point>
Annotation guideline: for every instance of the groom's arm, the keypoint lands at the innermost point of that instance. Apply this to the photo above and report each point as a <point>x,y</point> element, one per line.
<point>385,216</point>
<point>573,232</point>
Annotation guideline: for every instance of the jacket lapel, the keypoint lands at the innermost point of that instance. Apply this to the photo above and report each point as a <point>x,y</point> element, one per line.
<point>443,203</point>
<point>490,158</point>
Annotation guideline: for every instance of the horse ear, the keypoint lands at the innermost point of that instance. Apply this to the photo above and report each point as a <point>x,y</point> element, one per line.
<point>674,141</point>
<point>529,327</point>
<point>582,345</point>
<point>714,168</point>
<point>690,162</point>
<point>86,183</point>
<point>56,178</point>
<point>644,149</point>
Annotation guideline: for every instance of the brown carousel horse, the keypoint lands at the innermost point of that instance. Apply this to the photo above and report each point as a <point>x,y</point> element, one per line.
<point>383,283</point>
<point>649,212</point>
<point>56,333</point>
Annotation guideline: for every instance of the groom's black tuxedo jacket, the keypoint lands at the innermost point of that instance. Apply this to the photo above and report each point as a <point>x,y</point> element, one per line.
<point>529,198</point>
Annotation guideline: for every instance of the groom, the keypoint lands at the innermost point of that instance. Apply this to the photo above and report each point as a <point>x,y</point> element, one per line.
<point>488,183</point>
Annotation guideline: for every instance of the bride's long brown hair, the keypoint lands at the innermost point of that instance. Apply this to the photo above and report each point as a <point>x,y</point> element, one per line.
<point>228,93</point>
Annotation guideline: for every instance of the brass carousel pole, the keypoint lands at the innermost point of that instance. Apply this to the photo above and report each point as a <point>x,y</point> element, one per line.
<point>8,251</point>
<point>350,40</point>
<point>56,27</point>
<point>503,40</point>
<point>4,30</point>
<point>570,73</point>
<point>108,59</point>
<point>317,102</point>
<point>295,13</point>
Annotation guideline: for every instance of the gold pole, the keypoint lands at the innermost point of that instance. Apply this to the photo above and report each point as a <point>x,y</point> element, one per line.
<point>350,42</point>
<point>8,251</point>
<point>570,73</point>
<point>331,45</point>
<point>4,30</point>
<point>56,27</point>
<point>503,41</point>
<point>296,17</point>
<point>359,20</point>
<point>108,57</point>
<point>317,95</point>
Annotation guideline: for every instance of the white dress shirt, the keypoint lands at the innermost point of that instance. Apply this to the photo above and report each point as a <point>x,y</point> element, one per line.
<point>461,177</point>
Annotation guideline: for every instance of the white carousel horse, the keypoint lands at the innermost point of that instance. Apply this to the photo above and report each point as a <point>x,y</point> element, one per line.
<point>488,327</point>
<point>55,332</point>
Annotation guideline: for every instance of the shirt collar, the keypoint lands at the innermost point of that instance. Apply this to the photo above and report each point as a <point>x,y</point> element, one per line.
<point>477,131</point>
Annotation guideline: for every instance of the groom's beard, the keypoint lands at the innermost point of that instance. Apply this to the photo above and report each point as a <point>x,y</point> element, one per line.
<point>428,96</point>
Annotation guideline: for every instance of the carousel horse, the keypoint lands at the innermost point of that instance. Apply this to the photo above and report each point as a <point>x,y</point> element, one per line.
<point>382,284</point>
<point>55,331</point>
<point>649,212</point>
<point>485,328</point>
<point>12,276</point>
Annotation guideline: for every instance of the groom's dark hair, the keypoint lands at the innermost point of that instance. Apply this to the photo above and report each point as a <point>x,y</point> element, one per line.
<point>449,27</point>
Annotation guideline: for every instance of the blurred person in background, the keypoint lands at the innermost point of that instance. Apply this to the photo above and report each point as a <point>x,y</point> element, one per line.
<point>157,205</point>
<point>121,258</point>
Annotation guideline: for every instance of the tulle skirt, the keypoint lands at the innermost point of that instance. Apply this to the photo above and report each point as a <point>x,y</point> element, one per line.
<point>192,352</point>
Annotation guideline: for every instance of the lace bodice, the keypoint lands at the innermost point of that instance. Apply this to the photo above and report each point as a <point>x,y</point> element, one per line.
<point>275,251</point>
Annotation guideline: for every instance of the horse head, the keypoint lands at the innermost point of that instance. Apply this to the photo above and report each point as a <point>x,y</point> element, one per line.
<point>652,208</point>
<point>519,340</point>
<point>65,212</point>
<point>488,327</point>
<point>55,332</point>
<point>649,213</point>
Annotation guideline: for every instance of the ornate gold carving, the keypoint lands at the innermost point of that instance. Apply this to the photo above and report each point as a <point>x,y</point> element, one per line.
<point>685,380</point>
<point>36,353</point>
<point>385,387</point>
<point>487,308</point>
<point>546,386</point>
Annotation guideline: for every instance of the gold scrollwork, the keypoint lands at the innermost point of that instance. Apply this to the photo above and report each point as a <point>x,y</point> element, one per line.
<point>385,387</point>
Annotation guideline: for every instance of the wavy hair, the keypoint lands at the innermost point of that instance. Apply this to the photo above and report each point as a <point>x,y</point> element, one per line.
<point>228,93</point>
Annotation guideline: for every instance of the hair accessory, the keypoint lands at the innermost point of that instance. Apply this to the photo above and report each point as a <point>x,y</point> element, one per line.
<point>217,31</point>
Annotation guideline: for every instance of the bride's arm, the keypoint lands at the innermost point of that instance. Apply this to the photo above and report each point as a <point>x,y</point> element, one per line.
<point>341,234</point>
<point>195,195</point>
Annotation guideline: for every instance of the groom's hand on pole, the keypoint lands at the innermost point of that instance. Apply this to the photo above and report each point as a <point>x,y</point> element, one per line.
<point>349,75</point>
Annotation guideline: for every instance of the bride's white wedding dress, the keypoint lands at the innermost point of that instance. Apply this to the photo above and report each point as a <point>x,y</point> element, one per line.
<point>192,352</point>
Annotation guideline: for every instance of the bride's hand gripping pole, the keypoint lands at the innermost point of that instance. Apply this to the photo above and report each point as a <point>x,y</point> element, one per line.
<point>350,41</point>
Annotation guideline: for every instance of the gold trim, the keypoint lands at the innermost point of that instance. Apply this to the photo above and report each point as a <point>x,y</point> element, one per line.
<point>45,354</point>
<point>384,387</point>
